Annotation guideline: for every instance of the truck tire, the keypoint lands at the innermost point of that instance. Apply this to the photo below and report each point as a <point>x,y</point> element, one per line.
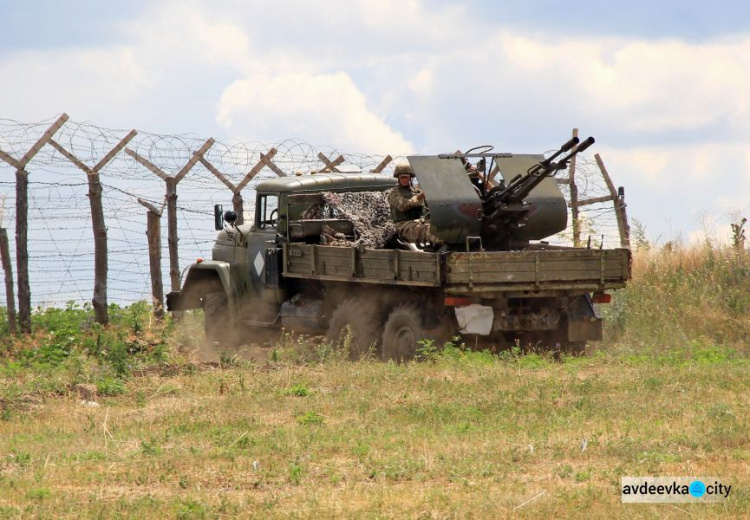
<point>354,318</point>
<point>403,329</point>
<point>218,324</point>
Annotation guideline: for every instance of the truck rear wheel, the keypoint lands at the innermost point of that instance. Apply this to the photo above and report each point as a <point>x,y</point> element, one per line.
<point>354,324</point>
<point>403,329</point>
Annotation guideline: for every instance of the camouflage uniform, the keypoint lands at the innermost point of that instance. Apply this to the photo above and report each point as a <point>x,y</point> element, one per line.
<point>406,211</point>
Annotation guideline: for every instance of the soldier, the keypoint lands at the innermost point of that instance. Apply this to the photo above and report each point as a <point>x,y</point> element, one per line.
<point>407,209</point>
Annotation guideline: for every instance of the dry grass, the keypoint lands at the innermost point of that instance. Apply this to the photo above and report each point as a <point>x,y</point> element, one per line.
<point>473,437</point>
<point>680,298</point>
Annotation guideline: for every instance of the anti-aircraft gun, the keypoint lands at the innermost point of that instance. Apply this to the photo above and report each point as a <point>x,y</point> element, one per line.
<point>506,208</point>
<point>526,204</point>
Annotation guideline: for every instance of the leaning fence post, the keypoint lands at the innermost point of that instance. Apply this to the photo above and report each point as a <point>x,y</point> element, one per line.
<point>618,198</point>
<point>153,234</point>
<point>8,269</point>
<point>22,221</point>
<point>380,167</point>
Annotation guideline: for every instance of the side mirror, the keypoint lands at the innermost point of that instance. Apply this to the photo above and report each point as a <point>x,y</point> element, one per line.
<point>230,217</point>
<point>218,219</point>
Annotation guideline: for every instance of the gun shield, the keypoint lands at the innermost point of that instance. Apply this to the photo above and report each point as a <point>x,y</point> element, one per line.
<point>455,205</point>
<point>548,212</point>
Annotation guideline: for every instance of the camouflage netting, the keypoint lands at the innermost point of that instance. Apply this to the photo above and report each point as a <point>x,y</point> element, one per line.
<point>367,210</point>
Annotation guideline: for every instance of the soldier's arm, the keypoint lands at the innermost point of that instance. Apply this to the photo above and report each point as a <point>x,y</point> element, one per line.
<point>402,203</point>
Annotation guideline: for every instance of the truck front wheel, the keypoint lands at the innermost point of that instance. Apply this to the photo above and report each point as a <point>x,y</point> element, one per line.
<point>403,329</point>
<point>218,325</point>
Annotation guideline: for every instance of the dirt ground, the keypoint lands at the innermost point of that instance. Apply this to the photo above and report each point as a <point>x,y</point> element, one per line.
<point>255,352</point>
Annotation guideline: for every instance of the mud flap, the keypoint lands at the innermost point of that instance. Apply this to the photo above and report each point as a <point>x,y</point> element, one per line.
<point>173,301</point>
<point>583,322</point>
<point>585,330</point>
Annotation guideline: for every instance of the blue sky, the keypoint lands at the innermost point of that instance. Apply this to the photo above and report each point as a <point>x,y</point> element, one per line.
<point>664,86</point>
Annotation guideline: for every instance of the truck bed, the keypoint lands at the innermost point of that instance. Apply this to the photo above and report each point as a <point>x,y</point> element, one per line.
<point>574,269</point>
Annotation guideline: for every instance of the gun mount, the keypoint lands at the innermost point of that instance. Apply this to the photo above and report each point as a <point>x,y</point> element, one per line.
<point>525,205</point>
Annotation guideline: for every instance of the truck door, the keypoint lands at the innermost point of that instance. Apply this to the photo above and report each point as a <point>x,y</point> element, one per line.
<point>264,230</point>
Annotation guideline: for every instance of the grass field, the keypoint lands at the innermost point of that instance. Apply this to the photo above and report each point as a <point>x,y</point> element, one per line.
<point>461,434</point>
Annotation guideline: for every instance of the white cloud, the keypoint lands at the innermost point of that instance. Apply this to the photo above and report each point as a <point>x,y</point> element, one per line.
<point>322,108</point>
<point>91,83</point>
<point>690,165</point>
<point>672,85</point>
<point>421,84</point>
<point>221,40</point>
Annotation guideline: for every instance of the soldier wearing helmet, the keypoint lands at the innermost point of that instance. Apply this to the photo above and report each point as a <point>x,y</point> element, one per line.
<point>407,209</point>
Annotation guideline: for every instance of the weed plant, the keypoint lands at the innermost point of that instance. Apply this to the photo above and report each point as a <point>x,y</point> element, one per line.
<point>67,347</point>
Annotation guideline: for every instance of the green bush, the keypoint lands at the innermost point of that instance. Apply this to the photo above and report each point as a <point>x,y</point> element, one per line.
<point>110,386</point>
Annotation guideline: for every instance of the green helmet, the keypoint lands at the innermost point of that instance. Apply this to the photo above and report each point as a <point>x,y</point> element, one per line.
<point>403,169</point>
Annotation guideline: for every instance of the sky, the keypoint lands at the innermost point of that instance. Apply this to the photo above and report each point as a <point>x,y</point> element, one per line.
<point>664,86</point>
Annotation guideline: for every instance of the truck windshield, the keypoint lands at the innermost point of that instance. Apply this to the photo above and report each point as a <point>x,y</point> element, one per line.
<point>268,211</point>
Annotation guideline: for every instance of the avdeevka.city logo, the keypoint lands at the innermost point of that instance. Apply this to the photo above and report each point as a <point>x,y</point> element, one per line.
<point>673,489</point>
<point>698,488</point>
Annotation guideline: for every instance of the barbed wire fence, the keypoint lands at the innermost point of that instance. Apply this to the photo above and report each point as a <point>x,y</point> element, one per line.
<point>61,163</point>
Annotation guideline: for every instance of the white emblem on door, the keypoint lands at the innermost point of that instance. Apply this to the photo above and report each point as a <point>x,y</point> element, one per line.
<point>259,263</point>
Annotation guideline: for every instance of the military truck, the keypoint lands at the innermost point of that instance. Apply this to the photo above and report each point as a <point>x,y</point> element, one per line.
<point>494,282</point>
